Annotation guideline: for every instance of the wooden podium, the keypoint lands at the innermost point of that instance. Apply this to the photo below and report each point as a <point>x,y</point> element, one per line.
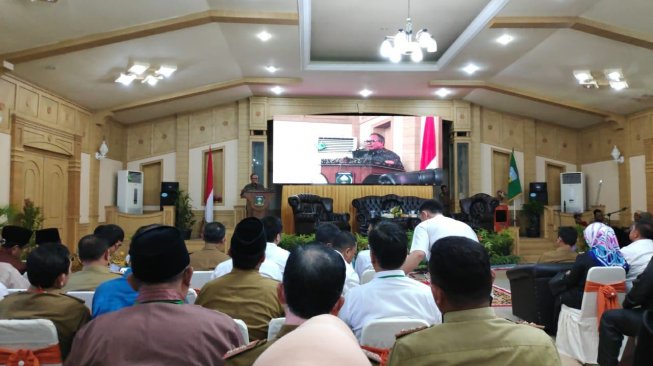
<point>358,171</point>
<point>258,202</point>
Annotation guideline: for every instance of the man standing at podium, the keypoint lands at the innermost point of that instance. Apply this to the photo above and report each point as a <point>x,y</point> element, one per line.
<point>377,153</point>
<point>254,185</point>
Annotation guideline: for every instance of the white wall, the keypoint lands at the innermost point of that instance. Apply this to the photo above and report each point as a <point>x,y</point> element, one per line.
<point>5,168</point>
<point>168,170</point>
<point>637,183</point>
<point>608,171</point>
<point>196,173</point>
<point>486,171</point>
<point>107,187</point>
<point>84,188</point>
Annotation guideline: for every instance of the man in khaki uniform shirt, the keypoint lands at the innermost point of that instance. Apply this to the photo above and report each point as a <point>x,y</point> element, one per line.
<point>213,253</point>
<point>470,333</point>
<point>94,253</point>
<point>243,293</point>
<point>566,251</point>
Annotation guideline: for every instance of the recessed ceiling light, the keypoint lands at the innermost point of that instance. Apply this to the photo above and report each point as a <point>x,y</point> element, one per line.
<point>442,92</point>
<point>583,75</point>
<point>264,36</point>
<point>618,85</point>
<point>470,68</point>
<point>505,39</point>
<point>277,90</point>
<point>365,93</point>
<point>271,69</point>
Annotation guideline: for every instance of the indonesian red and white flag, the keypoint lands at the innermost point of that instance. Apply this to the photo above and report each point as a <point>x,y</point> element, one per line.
<point>431,157</point>
<point>208,190</point>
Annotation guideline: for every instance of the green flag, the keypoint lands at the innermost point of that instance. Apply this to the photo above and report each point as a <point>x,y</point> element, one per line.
<point>514,185</point>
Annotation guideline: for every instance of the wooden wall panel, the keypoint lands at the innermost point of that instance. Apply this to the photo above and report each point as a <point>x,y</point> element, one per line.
<point>201,128</point>
<point>7,102</point>
<point>226,123</point>
<point>165,133</point>
<point>491,127</point>
<point>27,102</point>
<point>567,140</point>
<point>639,129</point>
<point>512,132</point>
<point>546,140</point>
<point>139,141</point>
<point>67,117</point>
<point>257,113</point>
<point>83,128</point>
<point>48,110</point>
<point>463,121</point>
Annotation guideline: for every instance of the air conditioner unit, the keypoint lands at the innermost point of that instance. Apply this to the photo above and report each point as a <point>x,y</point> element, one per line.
<point>130,192</point>
<point>572,192</point>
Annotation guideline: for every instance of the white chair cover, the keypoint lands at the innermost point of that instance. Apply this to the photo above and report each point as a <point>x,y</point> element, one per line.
<point>274,327</point>
<point>368,275</point>
<point>578,335</point>
<point>381,333</point>
<point>243,329</point>
<point>200,278</point>
<point>191,296</point>
<point>87,296</point>
<point>30,334</point>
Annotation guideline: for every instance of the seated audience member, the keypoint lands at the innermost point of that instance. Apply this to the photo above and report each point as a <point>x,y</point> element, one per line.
<point>390,294</point>
<point>434,226</point>
<point>11,278</point>
<point>617,323</point>
<point>312,284</point>
<point>578,219</point>
<point>111,233</point>
<point>47,235</point>
<point>213,252</point>
<point>114,295</point>
<point>345,245</point>
<point>326,234</point>
<point>470,333</point>
<point>638,215</point>
<point>161,329</point>
<point>639,252</point>
<point>243,293</point>
<point>48,268</point>
<point>363,260</point>
<point>94,253</point>
<point>275,257</point>
<point>14,239</point>
<point>566,251</point>
<point>643,355</point>
<point>323,340</point>
<point>598,216</point>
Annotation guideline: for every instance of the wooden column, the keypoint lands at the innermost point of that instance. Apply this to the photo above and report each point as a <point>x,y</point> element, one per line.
<point>74,176</point>
<point>648,155</point>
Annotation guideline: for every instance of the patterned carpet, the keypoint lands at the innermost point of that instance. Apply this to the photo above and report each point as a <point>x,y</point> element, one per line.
<point>501,296</point>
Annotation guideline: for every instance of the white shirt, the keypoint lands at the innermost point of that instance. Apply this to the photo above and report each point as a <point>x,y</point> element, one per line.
<point>440,226</point>
<point>638,254</point>
<point>272,267</point>
<point>11,278</point>
<point>389,295</point>
<point>351,278</point>
<point>363,262</point>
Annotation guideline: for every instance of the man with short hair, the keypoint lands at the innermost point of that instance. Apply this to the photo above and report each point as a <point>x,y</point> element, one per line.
<point>326,234</point>
<point>93,251</point>
<point>470,333</point>
<point>640,251</point>
<point>378,154</point>
<point>434,226</point>
<point>160,329</point>
<point>566,251</point>
<point>111,233</point>
<point>275,257</point>
<point>392,293</point>
<point>345,245</point>
<point>14,239</point>
<point>312,284</point>
<point>243,293</point>
<point>213,252</point>
<point>253,185</point>
<point>598,215</point>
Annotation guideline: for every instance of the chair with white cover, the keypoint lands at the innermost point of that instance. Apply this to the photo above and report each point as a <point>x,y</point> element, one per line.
<point>191,296</point>
<point>578,335</point>
<point>367,276</point>
<point>243,329</point>
<point>274,327</point>
<point>380,333</point>
<point>200,278</point>
<point>39,336</point>
<point>87,296</point>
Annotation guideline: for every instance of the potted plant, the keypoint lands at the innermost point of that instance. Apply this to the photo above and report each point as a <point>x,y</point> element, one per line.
<point>533,210</point>
<point>184,219</point>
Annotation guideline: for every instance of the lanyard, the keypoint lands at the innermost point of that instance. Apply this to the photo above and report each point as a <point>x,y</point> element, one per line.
<point>391,276</point>
<point>178,302</point>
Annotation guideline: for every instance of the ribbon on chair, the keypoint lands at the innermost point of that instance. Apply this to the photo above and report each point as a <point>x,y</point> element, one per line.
<point>606,296</point>
<point>31,357</point>
<point>383,353</point>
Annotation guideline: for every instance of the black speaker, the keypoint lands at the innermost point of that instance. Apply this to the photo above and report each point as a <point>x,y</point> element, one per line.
<point>538,192</point>
<point>168,193</point>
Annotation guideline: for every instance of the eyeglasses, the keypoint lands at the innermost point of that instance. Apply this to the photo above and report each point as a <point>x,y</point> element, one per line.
<point>371,141</point>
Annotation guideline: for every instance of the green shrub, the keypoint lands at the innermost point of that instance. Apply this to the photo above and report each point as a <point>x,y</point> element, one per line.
<point>290,241</point>
<point>498,245</point>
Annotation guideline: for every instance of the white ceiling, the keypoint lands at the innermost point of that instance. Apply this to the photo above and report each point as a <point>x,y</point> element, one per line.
<point>332,51</point>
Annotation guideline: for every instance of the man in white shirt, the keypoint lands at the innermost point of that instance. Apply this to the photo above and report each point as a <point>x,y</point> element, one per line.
<point>326,234</point>
<point>275,257</point>
<point>638,253</point>
<point>434,226</point>
<point>345,245</point>
<point>390,294</point>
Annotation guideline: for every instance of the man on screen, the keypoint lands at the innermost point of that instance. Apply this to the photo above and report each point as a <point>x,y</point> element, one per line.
<point>377,153</point>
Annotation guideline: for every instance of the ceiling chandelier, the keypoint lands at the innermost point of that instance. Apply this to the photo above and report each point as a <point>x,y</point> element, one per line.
<point>402,43</point>
<point>147,75</point>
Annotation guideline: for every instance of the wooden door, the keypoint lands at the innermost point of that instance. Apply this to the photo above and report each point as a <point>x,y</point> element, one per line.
<point>33,179</point>
<point>152,177</point>
<point>553,183</point>
<point>500,168</point>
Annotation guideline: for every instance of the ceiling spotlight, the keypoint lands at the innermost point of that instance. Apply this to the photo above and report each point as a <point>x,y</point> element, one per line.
<point>505,39</point>
<point>125,79</point>
<point>470,68</point>
<point>365,93</point>
<point>271,69</point>
<point>264,36</point>
<point>618,85</point>
<point>583,76</point>
<point>277,90</point>
<point>139,68</point>
<point>442,92</point>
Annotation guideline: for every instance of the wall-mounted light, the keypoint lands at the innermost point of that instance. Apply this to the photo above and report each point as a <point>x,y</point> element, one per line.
<point>616,155</point>
<point>103,151</point>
